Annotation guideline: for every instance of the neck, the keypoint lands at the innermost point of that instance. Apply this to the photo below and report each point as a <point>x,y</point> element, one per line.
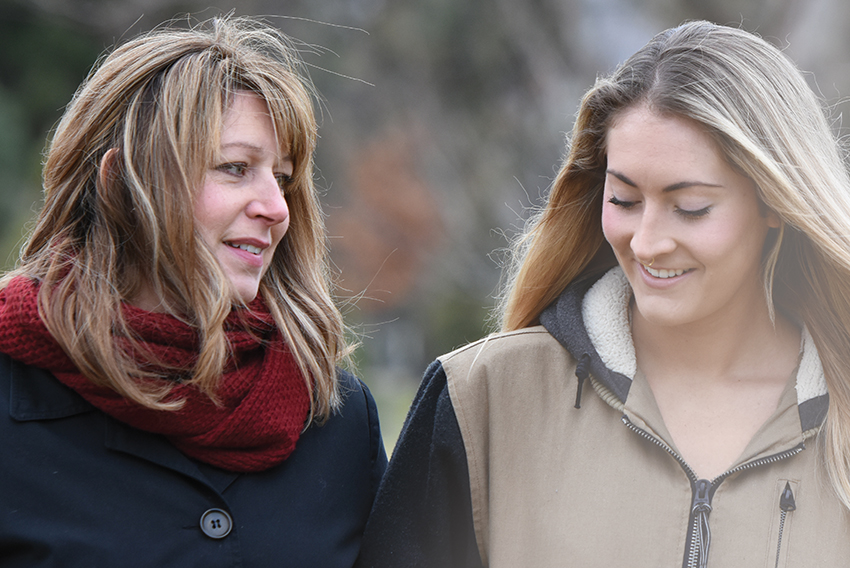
<point>737,346</point>
<point>146,299</point>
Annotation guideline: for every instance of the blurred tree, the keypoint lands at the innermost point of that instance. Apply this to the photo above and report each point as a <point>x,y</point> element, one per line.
<point>443,123</point>
<point>44,59</point>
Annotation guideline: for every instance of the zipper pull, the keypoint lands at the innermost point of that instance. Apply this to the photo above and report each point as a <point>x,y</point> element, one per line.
<point>582,372</point>
<point>786,500</point>
<point>701,503</point>
<point>786,504</point>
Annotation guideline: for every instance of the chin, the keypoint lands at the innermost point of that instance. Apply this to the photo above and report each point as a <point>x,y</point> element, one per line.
<point>249,297</point>
<point>246,294</point>
<point>663,315</point>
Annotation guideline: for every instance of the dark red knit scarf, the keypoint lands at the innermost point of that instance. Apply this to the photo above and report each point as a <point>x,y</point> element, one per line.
<point>264,401</point>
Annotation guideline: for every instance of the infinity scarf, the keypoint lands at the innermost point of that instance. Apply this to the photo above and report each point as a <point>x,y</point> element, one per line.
<point>264,401</point>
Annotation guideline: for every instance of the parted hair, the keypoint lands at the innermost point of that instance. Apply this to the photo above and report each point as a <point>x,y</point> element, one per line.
<point>771,126</point>
<point>110,226</point>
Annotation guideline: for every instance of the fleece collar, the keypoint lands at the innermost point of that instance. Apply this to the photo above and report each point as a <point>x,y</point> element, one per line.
<point>591,320</point>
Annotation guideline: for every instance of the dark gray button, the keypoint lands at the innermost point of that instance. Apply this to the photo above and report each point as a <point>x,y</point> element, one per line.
<point>216,523</point>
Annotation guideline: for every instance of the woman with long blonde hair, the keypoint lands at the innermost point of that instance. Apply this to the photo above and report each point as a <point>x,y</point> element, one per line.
<point>170,344</point>
<point>670,385</point>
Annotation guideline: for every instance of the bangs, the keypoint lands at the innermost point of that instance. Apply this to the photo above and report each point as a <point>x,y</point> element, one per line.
<point>293,121</point>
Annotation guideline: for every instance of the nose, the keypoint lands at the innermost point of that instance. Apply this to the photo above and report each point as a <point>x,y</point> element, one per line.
<point>268,202</point>
<point>651,238</point>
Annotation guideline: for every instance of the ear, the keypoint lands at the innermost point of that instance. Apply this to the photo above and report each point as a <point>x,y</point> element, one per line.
<point>773,220</point>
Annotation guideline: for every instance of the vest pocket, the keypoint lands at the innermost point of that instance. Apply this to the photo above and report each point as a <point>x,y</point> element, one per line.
<point>782,511</point>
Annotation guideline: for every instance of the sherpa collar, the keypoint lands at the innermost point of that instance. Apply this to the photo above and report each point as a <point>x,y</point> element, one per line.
<point>591,320</point>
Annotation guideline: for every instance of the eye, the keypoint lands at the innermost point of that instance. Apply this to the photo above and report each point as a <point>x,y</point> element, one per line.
<point>693,214</point>
<point>233,168</point>
<point>284,181</point>
<point>623,204</point>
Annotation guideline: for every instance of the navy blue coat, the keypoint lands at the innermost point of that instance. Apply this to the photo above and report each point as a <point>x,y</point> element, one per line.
<point>78,488</point>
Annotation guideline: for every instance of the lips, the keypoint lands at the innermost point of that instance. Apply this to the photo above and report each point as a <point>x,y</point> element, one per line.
<point>664,273</point>
<point>248,248</point>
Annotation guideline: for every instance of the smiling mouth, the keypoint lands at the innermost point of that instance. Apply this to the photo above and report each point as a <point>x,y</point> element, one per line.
<point>664,273</point>
<point>249,248</point>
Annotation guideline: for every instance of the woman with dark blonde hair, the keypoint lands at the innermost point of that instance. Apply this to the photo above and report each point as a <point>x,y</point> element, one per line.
<point>170,344</point>
<point>670,385</point>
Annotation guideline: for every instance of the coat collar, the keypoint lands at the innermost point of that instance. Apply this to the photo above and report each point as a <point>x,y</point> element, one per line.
<point>591,319</point>
<point>37,395</point>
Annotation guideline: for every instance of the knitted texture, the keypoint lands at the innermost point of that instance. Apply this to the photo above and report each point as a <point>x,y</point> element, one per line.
<point>264,400</point>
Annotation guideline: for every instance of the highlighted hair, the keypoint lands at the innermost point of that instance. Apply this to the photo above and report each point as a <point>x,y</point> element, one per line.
<point>158,101</point>
<point>756,104</point>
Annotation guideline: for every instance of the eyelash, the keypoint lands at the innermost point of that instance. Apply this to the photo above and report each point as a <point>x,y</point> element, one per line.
<point>688,214</point>
<point>229,167</point>
<point>623,204</point>
<point>693,214</point>
<point>284,181</point>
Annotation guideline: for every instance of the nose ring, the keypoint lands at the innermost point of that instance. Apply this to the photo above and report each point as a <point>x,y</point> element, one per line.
<point>648,264</point>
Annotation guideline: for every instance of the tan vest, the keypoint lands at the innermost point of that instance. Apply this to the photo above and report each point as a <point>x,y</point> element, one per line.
<point>556,486</point>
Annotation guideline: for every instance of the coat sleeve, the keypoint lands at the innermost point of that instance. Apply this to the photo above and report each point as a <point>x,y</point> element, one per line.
<point>422,516</point>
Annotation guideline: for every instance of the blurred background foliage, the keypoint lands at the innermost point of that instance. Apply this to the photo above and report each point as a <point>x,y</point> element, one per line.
<point>443,122</point>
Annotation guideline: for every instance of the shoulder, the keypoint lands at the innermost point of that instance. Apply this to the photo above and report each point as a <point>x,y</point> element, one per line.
<point>528,351</point>
<point>508,374</point>
<point>524,375</point>
<point>351,388</point>
<point>506,344</point>
<point>356,398</point>
<point>357,408</point>
<point>505,390</point>
<point>353,429</point>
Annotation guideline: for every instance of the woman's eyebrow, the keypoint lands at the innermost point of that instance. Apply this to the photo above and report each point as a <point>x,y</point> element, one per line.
<point>245,145</point>
<point>258,150</point>
<point>673,187</point>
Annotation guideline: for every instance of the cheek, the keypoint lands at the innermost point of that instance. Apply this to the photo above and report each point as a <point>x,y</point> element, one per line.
<point>205,225</point>
<point>204,210</point>
<point>750,241</point>
<point>613,226</point>
<point>212,212</point>
<point>736,231</point>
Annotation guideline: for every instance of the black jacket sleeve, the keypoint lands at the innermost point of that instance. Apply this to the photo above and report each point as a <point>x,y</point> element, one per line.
<point>422,516</point>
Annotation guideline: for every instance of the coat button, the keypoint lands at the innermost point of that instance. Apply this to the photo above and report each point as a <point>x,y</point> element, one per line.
<point>216,523</point>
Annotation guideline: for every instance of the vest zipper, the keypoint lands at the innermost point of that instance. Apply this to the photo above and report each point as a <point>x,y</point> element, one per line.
<point>699,533</point>
<point>700,508</point>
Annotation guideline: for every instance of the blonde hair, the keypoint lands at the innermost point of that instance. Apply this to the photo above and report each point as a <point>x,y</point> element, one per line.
<point>158,100</point>
<point>756,104</point>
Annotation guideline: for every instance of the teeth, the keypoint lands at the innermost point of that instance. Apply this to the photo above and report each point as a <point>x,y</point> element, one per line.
<point>663,273</point>
<point>250,248</point>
